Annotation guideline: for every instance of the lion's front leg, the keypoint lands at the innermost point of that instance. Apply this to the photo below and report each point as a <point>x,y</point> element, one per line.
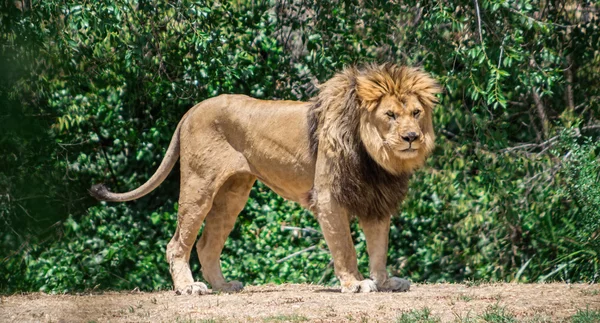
<point>336,230</point>
<point>377,235</point>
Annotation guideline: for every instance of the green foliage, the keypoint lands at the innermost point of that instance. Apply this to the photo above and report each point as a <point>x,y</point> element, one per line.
<point>106,247</point>
<point>268,230</point>
<point>91,92</point>
<point>498,314</point>
<point>586,316</point>
<point>493,314</point>
<point>418,316</point>
<point>286,318</point>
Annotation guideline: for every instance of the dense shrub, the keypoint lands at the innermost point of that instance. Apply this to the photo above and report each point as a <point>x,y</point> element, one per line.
<point>91,92</point>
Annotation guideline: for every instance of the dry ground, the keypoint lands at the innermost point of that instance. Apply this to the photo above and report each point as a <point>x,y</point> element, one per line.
<point>270,303</point>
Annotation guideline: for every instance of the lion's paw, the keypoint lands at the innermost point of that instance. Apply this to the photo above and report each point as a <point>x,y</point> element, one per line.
<point>194,289</point>
<point>395,284</point>
<point>230,287</point>
<point>362,286</point>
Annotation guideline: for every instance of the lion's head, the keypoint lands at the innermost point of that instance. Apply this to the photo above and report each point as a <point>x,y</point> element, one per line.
<point>375,126</point>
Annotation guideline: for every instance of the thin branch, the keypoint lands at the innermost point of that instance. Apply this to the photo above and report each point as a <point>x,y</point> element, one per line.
<point>27,213</point>
<point>550,142</point>
<point>569,76</point>
<point>553,170</point>
<point>325,272</point>
<point>448,134</point>
<point>540,22</point>
<point>544,145</point>
<point>74,144</point>
<point>309,230</point>
<point>297,253</point>
<point>501,52</point>
<point>538,134</point>
<point>519,104</point>
<point>478,20</point>
<point>541,110</point>
<point>418,16</point>
<point>591,127</point>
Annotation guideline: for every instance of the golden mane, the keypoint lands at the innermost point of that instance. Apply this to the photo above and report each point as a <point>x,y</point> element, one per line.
<point>366,185</point>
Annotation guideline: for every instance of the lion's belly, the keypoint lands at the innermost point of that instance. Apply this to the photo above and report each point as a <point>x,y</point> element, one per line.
<point>301,196</point>
<point>289,175</point>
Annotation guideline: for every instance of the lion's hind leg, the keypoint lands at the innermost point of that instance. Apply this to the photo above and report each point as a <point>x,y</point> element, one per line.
<point>195,201</point>
<point>227,204</point>
<point>200,185</point>
<point>207,162</point>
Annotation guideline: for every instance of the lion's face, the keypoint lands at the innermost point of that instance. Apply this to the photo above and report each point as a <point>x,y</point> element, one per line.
<point>397,132</point>
<point>397,121</point>
<point>391,107</point>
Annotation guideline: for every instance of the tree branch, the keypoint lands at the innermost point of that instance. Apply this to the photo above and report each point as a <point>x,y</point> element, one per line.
<point>543,145</point>
<point>309,230</point>
<point>538,21</point>
<point>569,76</point>
<point>297,253</point>
<point>478,21</point>
<point>541,110</point>
<point>591,127</point>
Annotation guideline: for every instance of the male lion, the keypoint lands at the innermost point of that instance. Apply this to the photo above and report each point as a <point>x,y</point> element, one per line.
<point>347,153</point>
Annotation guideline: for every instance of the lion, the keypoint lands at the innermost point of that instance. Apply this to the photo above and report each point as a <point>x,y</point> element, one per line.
<point>347,153</point>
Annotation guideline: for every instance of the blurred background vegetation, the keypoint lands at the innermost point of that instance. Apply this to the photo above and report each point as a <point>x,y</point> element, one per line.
<point>92,92</point>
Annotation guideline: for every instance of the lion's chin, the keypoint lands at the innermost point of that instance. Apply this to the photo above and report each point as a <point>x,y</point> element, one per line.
<point>407,153</point>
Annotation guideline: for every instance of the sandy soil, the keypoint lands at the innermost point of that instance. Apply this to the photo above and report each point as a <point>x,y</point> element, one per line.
<point>282,303</point>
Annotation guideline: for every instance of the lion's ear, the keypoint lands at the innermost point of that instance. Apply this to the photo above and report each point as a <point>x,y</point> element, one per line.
<point>371,88</point>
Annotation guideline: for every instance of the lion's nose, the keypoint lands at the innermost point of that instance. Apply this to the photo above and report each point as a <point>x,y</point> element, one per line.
<point>410,137</point>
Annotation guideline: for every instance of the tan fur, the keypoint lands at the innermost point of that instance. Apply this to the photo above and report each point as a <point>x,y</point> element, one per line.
<point>340,154</point>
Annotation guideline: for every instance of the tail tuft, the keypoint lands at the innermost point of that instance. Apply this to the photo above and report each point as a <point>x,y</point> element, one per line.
<point>99,191</point>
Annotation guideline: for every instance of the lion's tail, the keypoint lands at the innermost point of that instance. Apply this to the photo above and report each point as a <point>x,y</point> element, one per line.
<point>101,192</point>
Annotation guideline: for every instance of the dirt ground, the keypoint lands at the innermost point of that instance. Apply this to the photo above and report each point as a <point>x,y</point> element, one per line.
<point>271,303</point>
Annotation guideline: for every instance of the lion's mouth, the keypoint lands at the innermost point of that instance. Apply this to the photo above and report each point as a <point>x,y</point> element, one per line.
<point>408,150</point>
<point>397,150</point>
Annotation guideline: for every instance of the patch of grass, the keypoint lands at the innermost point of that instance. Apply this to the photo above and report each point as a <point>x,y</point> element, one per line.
<point>541,319</point>
<point>286,318</point>
<point>586,316</point>
<point>590,292</point>
<point>418,316</point>
<point>459,318</point>
<point>498,314</point>
<point>475,282</point>
<point>465,298</point>
<point>180,320</point>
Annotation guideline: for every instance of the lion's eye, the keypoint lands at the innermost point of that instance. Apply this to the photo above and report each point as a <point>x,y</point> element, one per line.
<point>391,114</point>
<point>416,113</point>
